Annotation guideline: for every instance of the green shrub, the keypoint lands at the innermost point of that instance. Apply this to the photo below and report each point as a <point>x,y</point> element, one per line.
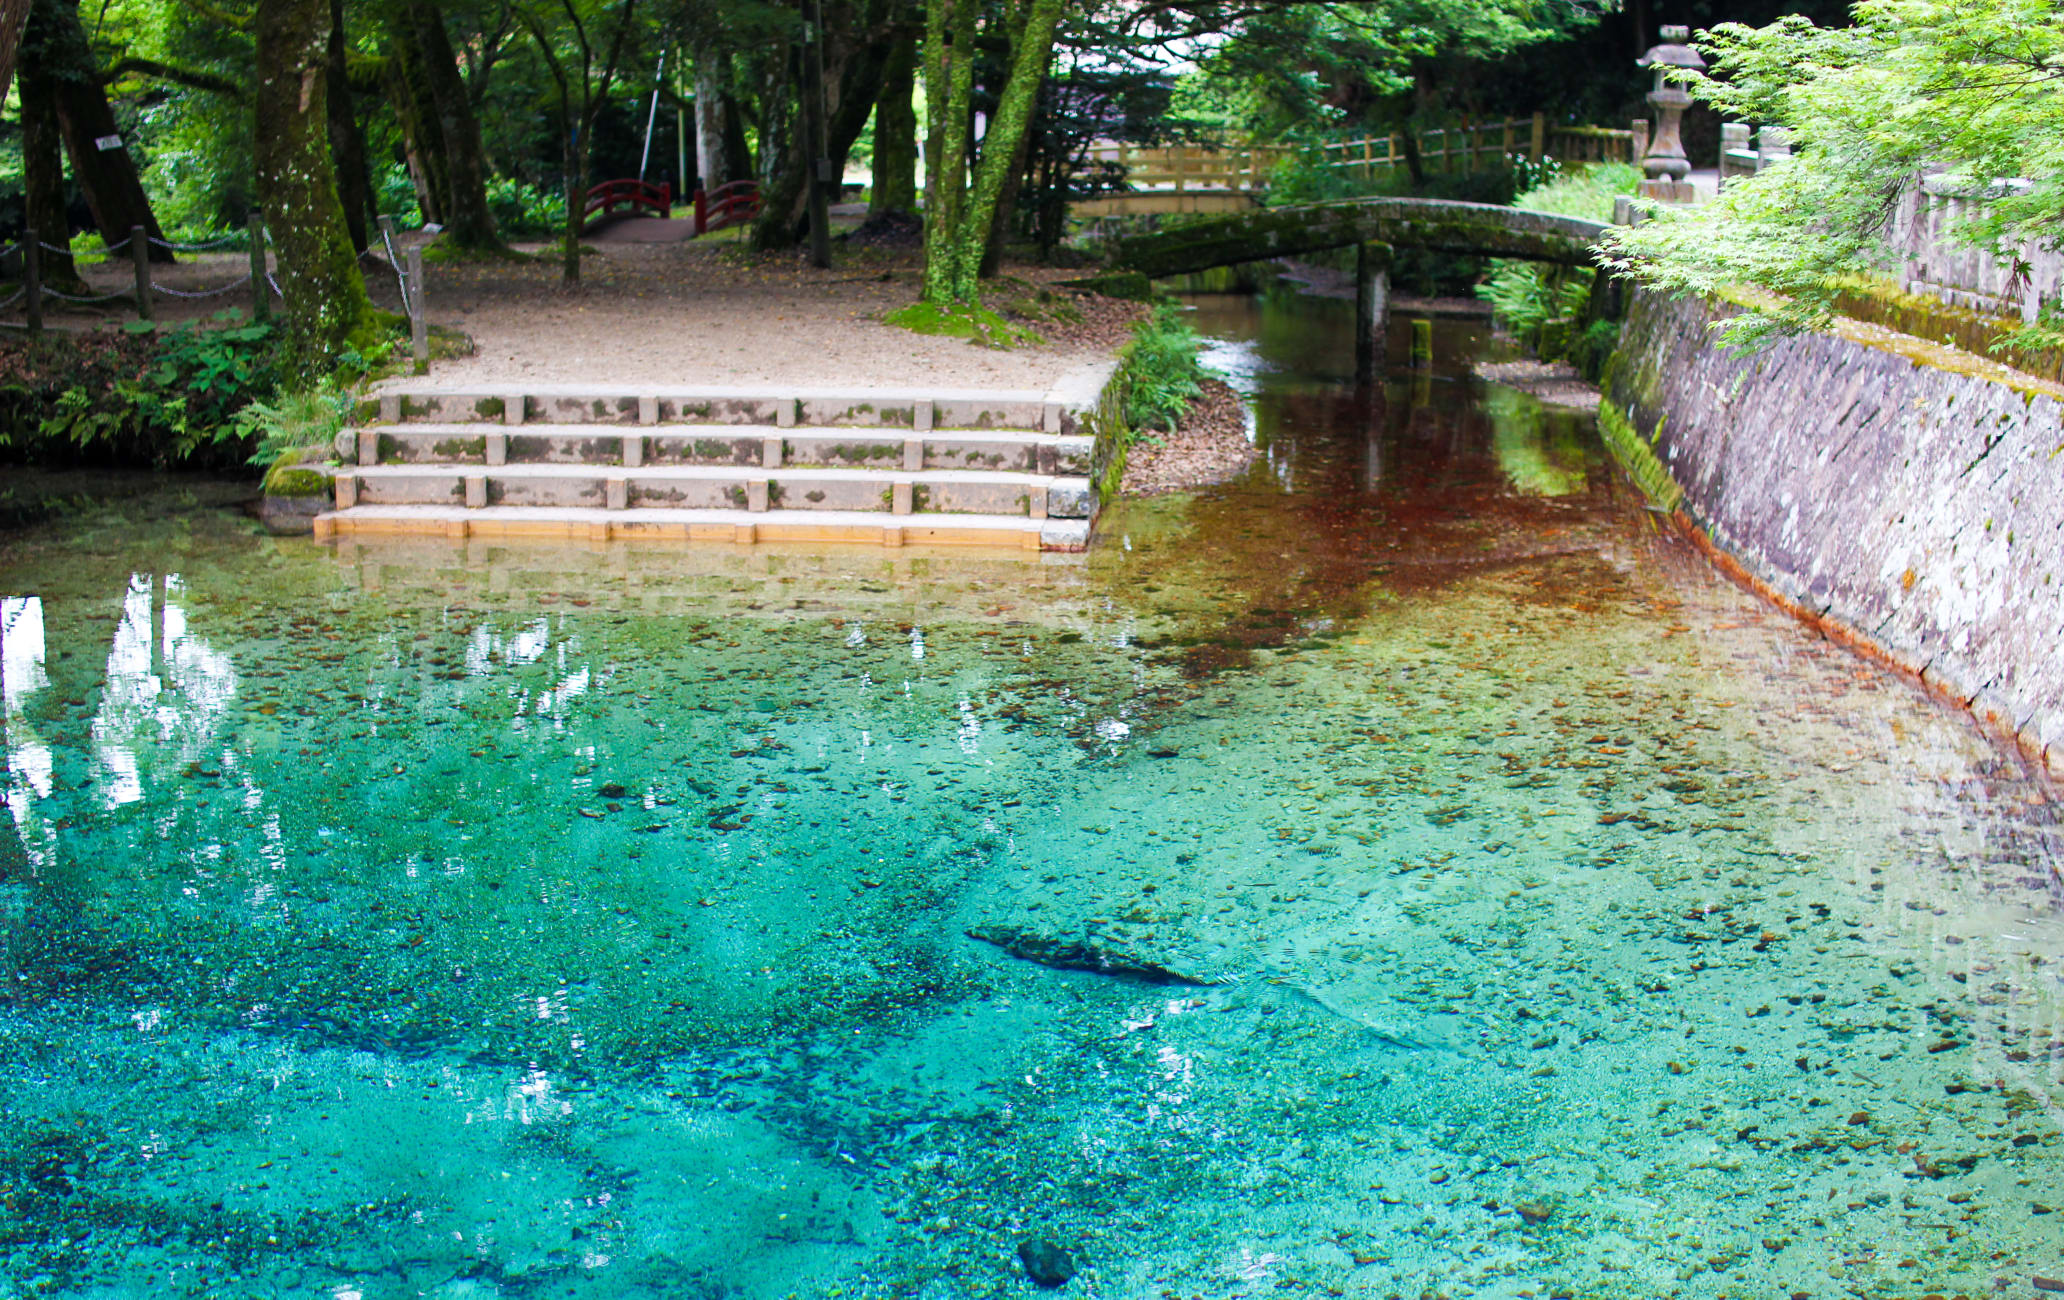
<point>1164,373</point>
<point>527,211</point>
<point>1541,304</point>
<point>137,397</point>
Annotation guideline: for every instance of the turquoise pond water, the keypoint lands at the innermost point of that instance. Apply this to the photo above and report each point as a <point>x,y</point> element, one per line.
<point>1536,914</point>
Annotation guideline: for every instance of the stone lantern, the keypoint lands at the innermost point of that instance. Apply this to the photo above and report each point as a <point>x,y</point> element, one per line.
<point>1665,162</point>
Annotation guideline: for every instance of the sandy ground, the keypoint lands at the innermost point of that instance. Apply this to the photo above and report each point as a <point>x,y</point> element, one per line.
<point>706,313</point>
<point>679,313</point>
<point>1555,383</point>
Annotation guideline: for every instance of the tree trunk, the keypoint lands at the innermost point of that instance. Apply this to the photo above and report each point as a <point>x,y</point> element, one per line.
<point>326,305</point>
<point>1006,210</point>
<point>468,222</point>
<point>970,238</point>
<point>347,146</point>
<point>949,83</point>
<point>709,118</point>
<point>895,134</point>
<point>783,169</point>
<point>573,160</point>
<point>422,138</point>
<point>42,142</point>
<point>14,18</point>
<point>737,152</point>
<point>856,55</point>
<point>106,176</point>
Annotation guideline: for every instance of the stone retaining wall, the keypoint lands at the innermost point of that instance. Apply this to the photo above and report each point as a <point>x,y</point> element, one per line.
<point>1908,509</point>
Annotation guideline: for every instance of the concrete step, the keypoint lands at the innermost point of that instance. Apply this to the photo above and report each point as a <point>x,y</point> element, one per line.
<point>814,527</point>
<point>752,489</point>
<point>768,446</point>
<point>918,410</point>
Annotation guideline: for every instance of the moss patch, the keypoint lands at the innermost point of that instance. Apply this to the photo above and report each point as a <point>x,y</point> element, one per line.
<point>1130,286</point>
<point>975,324</point>
<point>298,474</point>
<point>1638,458</point>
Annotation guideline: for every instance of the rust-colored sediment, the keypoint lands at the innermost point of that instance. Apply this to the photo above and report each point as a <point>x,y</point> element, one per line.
<point>1996,725</point>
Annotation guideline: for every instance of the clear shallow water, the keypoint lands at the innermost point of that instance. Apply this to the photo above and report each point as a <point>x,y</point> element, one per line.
<point>1565,922</point>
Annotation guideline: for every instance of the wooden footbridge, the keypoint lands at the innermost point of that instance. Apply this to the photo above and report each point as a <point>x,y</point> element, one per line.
<point>1231,175</point>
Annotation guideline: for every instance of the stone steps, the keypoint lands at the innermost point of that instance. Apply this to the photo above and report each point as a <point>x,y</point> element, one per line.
<point>683,525</point>
<point>715,487</point>
<point>768,446</point>
<point>887,466</point>
<point>918,410</point>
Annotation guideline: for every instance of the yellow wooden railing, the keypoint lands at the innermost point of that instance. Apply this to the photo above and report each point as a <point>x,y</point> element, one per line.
<point>1246,165</point>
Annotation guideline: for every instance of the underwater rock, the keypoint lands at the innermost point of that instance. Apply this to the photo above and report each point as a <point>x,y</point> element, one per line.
<point>612,790</point>
<point>1046,1263</point>
<point>1082,954</point>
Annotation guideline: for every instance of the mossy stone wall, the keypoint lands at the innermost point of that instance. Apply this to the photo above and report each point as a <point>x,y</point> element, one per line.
<point>1917,505</point>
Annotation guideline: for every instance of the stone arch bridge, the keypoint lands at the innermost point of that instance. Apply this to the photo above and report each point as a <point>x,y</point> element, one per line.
<point>1443,225</point>
<point>1373,227</point>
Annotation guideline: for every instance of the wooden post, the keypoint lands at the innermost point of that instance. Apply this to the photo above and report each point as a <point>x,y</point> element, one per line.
<point>1468,147</point>
<point>419,318</point>
<point>701,211</point>
<point>1372,306</point>
<point>261,288</point>
<point>1537,147</point>
<point>139,253</point>
<point>1422,344</point>
<point>32,279</point>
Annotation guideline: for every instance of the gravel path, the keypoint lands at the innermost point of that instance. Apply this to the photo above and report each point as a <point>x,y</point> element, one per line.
<point>677,313</point>
<point>704,313</point>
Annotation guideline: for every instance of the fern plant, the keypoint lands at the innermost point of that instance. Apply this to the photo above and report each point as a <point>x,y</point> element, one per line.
<point>294,421</point>
<point>1166,375</point>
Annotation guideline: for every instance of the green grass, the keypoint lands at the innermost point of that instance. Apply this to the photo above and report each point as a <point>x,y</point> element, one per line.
<point>1542,305</point>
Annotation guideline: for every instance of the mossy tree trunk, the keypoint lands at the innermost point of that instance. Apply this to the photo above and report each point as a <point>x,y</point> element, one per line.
<point>949,84</point>
<point>895,134</point>
<point>422,138</point>
<point>954,246</point>
<point>468,222</point>
<point>14,19</point>
<point>326,305</point>
<point>107,176</point>
<point>42,144</point>
<point>859,40</point>
<point>347,146</point>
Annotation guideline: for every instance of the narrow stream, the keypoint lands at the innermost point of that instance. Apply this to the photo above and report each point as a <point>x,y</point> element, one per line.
<point>1403,871</point>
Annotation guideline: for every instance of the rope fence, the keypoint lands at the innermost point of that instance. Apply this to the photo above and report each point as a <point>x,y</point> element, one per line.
<point>216,292</point>
<point>26,255</point>
<point>82,298</point>
<point>169,246</point>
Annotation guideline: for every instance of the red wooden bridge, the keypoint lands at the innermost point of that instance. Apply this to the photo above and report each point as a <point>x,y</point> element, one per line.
<point>727,205</point>
<point>630,195</point>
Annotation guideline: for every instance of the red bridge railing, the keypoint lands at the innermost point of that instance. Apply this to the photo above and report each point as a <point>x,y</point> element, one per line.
<point>609,196</point>
<point>726,205</point>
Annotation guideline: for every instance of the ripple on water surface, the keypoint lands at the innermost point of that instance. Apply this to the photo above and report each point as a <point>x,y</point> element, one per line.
<point>1492,903</point>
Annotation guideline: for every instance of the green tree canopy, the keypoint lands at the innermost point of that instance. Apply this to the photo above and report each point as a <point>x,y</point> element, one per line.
<point>1969,90</point>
